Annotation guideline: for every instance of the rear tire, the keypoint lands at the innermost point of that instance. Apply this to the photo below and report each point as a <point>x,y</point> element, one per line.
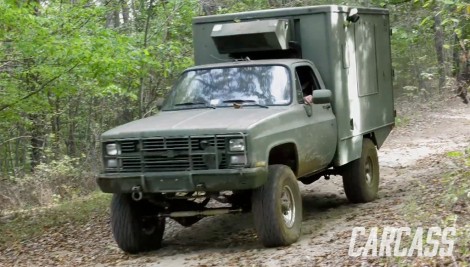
<point>277,208</point>
<point>361,176</point>
<point>134,224</point>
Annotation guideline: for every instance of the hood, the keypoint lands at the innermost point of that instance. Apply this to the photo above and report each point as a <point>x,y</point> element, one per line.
<point>194,122</point>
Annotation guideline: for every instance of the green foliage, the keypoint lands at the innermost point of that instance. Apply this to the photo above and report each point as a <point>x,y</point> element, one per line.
<point>67,75</point>
<point>240,6</point>
<point>71,70</point>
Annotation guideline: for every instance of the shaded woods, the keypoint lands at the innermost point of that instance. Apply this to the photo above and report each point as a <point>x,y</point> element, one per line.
<point>70,70</point>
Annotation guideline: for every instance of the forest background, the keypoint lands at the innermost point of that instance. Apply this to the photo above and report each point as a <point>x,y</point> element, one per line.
<point>70,70</point>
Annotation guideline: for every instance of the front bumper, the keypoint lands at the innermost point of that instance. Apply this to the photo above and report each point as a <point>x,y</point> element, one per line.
<point>184,181</point>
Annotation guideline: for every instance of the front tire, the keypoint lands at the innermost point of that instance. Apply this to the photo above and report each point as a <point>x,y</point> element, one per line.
<point>277,208</point>
<point>361,176</point>
<point>134,224</point>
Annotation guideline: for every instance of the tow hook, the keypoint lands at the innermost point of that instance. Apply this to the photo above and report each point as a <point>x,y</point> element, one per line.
<point>136,193</point>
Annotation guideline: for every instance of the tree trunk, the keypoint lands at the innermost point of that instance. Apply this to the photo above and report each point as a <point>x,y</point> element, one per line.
<point>71,142</point>
<point>439,46</point>
<point>109,13</point>
<point>55,125</point>
<point>125,12</point>
<point>142,80</point>
<point>37,140</point>
<point>463,76</point>
<point>116,18</point>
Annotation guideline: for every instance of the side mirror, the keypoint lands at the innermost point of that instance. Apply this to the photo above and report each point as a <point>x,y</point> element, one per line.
<point>353,16</point>
<point>159,102</point>
<point>322,96</point>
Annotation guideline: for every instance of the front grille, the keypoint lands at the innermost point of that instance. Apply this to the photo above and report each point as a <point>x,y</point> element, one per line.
<point>179,143</point>
<point>166,154</point>
<point>128,146</point>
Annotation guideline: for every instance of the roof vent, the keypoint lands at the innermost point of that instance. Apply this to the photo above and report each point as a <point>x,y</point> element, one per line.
<point>251,36</point>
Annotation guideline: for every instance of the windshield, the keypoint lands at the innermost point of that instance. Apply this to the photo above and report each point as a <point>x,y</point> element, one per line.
<point>219,87</point>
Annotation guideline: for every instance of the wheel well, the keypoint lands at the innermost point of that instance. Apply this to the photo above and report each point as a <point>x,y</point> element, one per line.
<point>371,136</point>
<point>285,154</point>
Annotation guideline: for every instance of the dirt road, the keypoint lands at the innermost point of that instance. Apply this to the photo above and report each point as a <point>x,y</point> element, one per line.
<point>412,153</point>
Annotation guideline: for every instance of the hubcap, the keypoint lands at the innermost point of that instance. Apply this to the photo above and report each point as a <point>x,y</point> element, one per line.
<point>288,206</point>
<point>368,169</point>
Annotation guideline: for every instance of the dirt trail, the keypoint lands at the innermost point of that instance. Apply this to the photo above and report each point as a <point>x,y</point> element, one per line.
<point>412,153</point>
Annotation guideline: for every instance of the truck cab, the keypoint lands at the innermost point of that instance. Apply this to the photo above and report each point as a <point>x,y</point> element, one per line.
<point>257,108</point>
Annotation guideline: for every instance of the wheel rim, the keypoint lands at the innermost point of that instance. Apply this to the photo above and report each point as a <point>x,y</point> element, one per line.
<point>369,171</point>
<point>288,206</point>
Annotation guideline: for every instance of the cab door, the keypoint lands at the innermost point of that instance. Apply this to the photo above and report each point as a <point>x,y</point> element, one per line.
<point>318,132</point>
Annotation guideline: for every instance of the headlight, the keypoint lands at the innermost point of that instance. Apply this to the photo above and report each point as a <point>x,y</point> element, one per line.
<point>238,160</point>
<point>112,149</point>
<point>237,144</point>
<point>112,163</point>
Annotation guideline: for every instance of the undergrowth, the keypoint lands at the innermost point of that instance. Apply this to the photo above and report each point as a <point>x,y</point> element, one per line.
<point>51,183</point>
<point>26,224</point>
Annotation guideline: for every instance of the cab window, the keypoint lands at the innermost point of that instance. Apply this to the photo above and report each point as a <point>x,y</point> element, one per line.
<point>307,82</point>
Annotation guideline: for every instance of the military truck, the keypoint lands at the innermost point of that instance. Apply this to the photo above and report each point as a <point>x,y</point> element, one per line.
<point>239,128</point>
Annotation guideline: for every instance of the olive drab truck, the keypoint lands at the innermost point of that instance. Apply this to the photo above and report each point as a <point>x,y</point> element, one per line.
<point>238,127</point>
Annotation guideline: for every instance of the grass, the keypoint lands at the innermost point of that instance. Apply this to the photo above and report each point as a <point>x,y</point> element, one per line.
<point>27,224</point>
<point>402,121</point>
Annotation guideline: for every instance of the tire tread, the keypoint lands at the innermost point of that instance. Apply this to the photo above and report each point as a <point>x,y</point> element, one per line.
<point>269,226</point>
<point>126,226</point>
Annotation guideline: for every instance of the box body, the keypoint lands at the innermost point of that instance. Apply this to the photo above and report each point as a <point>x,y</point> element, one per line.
<point>353,59</point>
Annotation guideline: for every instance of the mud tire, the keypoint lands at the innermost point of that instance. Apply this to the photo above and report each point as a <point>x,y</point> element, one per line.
<point>361,176</point>
<point>277,208</point>
<point>134,224</point>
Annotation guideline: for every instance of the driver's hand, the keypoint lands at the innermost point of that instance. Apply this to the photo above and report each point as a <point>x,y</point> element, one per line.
<point>308,99</point>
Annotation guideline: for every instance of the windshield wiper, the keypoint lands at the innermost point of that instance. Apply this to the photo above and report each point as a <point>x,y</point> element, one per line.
<point>241,101</point>
<point>195,103</point>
